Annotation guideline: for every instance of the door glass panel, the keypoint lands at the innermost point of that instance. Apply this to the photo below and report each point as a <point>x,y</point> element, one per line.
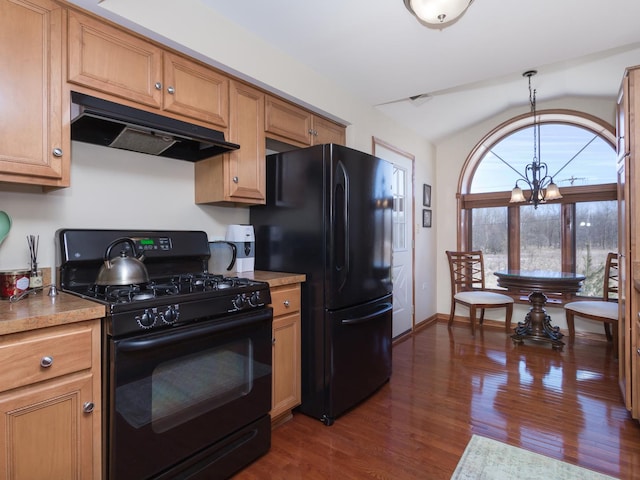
<point>399,209</point>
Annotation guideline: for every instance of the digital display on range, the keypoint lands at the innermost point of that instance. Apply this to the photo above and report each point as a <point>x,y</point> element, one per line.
<point>160,243</point>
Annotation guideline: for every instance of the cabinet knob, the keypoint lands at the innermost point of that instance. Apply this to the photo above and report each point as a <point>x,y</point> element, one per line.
<point>46,362</point>
<point>57,152</point>
<point>171,90</point>
<point>236,179</point>
<point>273,341</point>
<point>88,407</point>
<point>158,86</point>
<point>286,303</point>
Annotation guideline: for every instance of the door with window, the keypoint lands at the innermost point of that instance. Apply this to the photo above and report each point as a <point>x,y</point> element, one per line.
<point>402,263</point>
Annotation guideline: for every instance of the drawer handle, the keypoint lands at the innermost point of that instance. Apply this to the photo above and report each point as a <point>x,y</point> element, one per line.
<point>88,407</point>
<point>286,303</point>
<point>46,362</point>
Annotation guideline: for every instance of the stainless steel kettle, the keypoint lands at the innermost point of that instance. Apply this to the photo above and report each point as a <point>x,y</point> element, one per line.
<point>123,270</point>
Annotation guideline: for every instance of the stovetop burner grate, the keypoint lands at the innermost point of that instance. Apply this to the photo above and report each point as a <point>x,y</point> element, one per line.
<point>183,284</point>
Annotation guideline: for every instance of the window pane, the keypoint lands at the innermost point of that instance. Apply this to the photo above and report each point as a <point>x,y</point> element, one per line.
<point>490,234</point>
<point>596,236</point>
<point>574,156</point>
<point>540,238</point>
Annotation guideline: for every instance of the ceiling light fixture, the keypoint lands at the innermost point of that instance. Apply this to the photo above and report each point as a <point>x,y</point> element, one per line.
<point>541,186</point>
<point>437,13</point>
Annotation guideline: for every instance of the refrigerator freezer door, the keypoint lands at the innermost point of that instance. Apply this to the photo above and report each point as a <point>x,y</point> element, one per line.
<point>357,359</point>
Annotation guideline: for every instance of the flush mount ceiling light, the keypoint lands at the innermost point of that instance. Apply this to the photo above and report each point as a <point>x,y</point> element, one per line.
<point>437,13</point>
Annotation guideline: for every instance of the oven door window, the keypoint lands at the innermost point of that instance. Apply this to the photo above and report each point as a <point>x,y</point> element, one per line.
<point>188,387</point>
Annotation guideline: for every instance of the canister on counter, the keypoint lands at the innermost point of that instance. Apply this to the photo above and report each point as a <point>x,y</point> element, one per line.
<point>13,282</point>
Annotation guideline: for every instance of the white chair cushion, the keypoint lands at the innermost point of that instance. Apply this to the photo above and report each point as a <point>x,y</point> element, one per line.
<point>479,297</point>
<point>599,309</point>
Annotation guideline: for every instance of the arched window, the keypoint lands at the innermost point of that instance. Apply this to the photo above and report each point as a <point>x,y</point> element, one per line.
<point>572,234</point>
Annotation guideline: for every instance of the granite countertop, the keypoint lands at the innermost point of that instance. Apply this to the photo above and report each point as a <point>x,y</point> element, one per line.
<point>39,311</point>
<point>274,279</point>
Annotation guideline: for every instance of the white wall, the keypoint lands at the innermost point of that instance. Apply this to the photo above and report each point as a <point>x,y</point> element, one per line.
<point>452,153</point>
<point>116,189</point>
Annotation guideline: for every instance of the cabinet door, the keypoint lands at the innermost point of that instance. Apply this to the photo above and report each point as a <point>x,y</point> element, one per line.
<point>34,139</point>
<point>286,391</point>
<point>286,122</point>
<point>325,131</point>
<point>286,388</point>
<point>195,91</point>
<point>109,60</point>
<point>237,177</point>
<point>45,432</point>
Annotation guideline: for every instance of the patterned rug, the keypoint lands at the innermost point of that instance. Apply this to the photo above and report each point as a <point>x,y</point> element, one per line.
<point>486,459</point>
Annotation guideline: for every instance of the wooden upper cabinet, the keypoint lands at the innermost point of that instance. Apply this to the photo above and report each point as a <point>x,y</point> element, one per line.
<point>325,131</point>
<point>34,130</point>
<point>106,59</point>
<point>195,91</point>
<point>287,122</point>
<point>291,124</point>
<point>237,177</point>
<point>109,60</point>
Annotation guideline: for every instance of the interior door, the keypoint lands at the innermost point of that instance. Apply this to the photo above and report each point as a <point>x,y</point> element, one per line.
<point>402,260</point>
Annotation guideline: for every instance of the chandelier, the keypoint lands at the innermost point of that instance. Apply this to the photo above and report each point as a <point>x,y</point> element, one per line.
<point>540,184</point>
<point>437,13</point>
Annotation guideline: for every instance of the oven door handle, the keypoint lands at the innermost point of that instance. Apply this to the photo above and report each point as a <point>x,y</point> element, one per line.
<point>193,332</point>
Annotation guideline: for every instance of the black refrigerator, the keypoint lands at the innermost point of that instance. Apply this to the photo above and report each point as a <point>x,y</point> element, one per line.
<point>329,215</point>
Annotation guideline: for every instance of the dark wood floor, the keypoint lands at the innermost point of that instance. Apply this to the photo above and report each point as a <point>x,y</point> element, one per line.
<point>447,386</point>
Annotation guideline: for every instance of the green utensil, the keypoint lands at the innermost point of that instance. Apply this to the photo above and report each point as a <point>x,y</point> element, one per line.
<point>5,225</point>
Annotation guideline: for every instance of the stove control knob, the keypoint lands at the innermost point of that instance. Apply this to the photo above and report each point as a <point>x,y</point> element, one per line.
<point>147,319</point>
<point>170,314</point>
<point>254,299</point>
<point>239,302</point>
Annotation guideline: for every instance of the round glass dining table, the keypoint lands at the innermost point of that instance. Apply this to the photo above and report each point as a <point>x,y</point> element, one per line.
<point>537,283</point>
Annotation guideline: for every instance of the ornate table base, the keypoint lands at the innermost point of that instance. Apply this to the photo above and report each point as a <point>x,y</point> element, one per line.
<point>537,324</point>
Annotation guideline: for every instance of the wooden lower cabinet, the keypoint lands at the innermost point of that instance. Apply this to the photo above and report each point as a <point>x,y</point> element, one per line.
<point>286,390</point>
<point>50,425</point>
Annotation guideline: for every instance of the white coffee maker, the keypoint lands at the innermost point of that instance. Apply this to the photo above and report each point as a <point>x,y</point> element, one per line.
<point>243,237</point>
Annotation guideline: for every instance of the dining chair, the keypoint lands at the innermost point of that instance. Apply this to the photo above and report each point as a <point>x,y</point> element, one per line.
<point>468,288</point>
<point>605,310</point>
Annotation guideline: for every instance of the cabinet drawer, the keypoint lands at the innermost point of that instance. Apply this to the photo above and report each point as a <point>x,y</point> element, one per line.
<point>285,300</point>
<point>22,355</point>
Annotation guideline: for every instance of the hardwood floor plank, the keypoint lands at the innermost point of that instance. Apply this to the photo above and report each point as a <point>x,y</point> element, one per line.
<point>447,386</point>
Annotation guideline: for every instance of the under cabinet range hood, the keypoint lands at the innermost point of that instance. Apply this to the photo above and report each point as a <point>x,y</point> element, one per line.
<point>100,122</point>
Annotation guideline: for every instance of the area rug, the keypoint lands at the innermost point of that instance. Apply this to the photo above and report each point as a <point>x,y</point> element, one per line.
<point>486,459</point>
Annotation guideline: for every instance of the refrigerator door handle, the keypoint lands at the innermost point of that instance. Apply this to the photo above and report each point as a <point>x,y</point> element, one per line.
<point>354,321</point>
<point>341,234</point>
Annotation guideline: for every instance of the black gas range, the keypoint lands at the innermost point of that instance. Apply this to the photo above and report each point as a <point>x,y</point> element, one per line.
<point>179,291</point>
<point>186,356</point>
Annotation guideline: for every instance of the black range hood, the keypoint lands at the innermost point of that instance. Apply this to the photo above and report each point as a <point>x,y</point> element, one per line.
<point>109,124</point>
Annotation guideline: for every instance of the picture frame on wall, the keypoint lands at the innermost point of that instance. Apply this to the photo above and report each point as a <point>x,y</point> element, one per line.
<point>426,218</point>
<point>426,195</point>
